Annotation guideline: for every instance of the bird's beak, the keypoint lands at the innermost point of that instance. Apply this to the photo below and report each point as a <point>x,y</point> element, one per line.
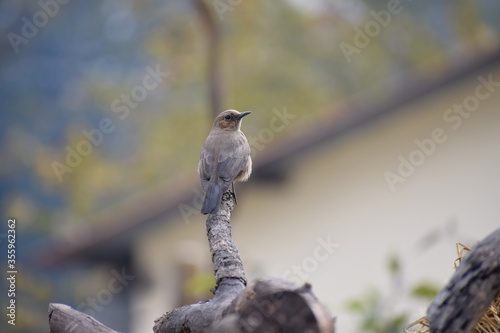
<point>246,113</point>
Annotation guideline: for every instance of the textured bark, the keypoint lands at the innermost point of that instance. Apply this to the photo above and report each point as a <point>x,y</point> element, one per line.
<point>65,319</point>
<point>272,306</point>
<point>225,256</point>
<point>229,276</point>
<point>267,306</point>
<point>476,283</point>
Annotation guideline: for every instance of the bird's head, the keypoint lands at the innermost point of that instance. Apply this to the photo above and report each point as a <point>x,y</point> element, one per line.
<point>230,120</point>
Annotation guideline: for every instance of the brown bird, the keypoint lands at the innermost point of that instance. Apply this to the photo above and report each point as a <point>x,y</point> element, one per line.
<point>225,158</point>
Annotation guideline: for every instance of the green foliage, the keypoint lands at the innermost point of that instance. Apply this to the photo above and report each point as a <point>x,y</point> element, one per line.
<point>273,55</point>
<point>370,308</point>
<point>394,265</point>
<point>199,284</point>
<point>425,290</point>
<point>377,312</point>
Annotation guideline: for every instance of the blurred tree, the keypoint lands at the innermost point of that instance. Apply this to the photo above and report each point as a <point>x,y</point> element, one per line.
<point>90,58</point>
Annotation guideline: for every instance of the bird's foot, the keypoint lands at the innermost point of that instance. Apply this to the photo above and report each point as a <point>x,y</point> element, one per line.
<point>233,194</point>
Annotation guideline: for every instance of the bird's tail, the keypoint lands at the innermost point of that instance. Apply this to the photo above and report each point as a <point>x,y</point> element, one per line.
<point>212,200</point>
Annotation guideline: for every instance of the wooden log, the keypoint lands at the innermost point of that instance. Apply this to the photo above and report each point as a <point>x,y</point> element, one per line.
<point>65,319</point>
<point>272,305</point>
<point>275,305</point>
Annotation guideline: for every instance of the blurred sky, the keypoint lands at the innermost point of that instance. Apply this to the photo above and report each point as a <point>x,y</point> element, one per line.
<point>129,78</point>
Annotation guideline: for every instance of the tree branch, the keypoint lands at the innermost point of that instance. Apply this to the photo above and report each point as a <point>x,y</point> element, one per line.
<point>270,306</point>
<point>225,256</point>
<point>473,287</point>
<point>65,319</point>
<point>275,306</point>
<point>229,275</point>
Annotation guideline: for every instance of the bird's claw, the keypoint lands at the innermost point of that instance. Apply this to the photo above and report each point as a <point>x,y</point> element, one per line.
<point>233,194</point>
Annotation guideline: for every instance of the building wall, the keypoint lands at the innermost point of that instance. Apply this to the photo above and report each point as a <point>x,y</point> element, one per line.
<point>338,194</point>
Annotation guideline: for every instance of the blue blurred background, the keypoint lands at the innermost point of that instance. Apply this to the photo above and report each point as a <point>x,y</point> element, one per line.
<point>105,102</point>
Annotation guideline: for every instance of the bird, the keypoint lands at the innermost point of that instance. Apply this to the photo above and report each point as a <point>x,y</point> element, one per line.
<point>224,159</point>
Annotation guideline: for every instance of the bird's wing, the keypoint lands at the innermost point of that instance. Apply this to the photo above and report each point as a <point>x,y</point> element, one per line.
<point>206,166</point>
<point>221,163</point>
<point>229,166</point>
<point>231,161</point>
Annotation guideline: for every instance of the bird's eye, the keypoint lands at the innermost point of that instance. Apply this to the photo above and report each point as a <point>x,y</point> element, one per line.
<point>227,117</point>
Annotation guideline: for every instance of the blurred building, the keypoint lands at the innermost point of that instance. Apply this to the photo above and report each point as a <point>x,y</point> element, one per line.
<point>410,176</point>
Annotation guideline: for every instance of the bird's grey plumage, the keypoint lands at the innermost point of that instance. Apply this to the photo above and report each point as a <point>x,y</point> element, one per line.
<point>225,158</point>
